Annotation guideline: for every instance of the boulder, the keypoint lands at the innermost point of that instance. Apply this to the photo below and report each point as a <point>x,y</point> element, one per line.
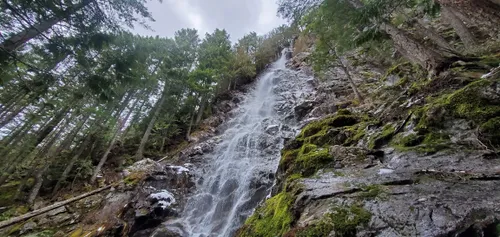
<point>303,109</point>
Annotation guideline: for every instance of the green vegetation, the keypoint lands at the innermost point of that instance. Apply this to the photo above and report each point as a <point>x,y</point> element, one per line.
<point>98,97</point>
<point>490,130</point>
<point>274,218</point>
<point>371,191</point>
<point>383,138</point>
<point>469,103</point>
<point>309,151</point>
<point>344,221</point>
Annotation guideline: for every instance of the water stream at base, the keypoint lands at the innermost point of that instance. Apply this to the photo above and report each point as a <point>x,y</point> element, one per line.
<point>242,166</point>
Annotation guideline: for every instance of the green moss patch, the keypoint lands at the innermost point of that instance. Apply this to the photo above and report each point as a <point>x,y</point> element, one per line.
<point>309,152</point>
<point>371,191</point>
<point>274,218</point>
<point>337,121</point>
<point>427,144</point>
<point>490,130</point>
<point>7,192</point>
<point>382,138</point>
<point>344,221</point>
<point>471,102</point>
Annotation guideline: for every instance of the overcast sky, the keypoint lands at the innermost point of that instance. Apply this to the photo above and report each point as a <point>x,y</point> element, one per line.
<point>238,17</point>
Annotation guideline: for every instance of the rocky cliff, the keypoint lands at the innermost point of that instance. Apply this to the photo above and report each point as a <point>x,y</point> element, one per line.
<point>417,157</point>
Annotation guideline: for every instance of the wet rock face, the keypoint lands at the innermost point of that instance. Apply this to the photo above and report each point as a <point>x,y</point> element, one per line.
<point>385,174</point>
<point>303,109</point>
<point>412,195</point>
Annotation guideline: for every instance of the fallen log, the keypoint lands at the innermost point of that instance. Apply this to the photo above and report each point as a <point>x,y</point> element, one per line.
<point>43,210</point>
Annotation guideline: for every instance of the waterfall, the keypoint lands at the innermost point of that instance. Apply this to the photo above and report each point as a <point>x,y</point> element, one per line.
<point>241,168</point>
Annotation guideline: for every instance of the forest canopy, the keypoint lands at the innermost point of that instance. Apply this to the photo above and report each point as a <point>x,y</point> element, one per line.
<point>80,94</point>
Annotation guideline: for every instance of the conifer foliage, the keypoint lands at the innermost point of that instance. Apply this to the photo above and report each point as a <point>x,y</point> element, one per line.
<point>81,97</point>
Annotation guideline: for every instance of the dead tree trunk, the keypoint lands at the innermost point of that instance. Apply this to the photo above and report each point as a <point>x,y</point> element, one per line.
<point>415,51</point>
<point>425,30</point>
<point>482,13</point>
<point>40,211</point>
<point>460,28</point>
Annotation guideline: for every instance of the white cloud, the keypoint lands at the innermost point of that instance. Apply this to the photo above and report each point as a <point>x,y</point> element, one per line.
<point>238,17</point>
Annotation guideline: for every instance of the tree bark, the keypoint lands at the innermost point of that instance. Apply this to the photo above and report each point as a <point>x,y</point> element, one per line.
<point>45,131</point>
<point>415,51</point>
<point>191,121</point>
<point>483,13</point>
<point>16,41</point>
<point>346,70</point>
<point>116,135</point>
<point>140,152</point>
<point>426,30</point>
<point>461,29</point>
<point>51,156</point>
<point>201,110</point>
<point>410,47</point>
<point>43,210</point>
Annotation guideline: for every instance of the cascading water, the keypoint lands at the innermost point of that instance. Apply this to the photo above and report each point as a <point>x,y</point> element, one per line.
<point>242,166</point>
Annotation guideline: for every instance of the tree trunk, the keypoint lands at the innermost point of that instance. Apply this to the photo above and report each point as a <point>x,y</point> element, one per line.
<point>427,31</point>
<point>163,140</point>
<point>201,110</point>
<point>483,13</point>
<point>71,163</point>
<point>191,121</point>
<point>14,42</point>
<point>8,118</point>
<point>112,144</point>
<point>12,102</point>
<point>45,131</point>
<point>51,156</point>
<point>346,70</point>
<point>9,142</point>
<point>140,152</point>
<point>410,47</point>
<point>135,119</point>
<point>40,211</point>
<point>460,28</point>
<point>415,51</point>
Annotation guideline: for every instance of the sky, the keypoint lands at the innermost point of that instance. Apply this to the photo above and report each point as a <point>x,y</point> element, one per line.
<point>238,17</point>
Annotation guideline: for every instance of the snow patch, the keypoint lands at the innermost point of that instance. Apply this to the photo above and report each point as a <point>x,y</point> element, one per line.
<point>385,171</point>
<point>165,198</point>
<point>179,169</point>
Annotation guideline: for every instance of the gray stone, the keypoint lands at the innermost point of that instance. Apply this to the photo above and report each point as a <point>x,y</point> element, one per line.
<point>29,226</point>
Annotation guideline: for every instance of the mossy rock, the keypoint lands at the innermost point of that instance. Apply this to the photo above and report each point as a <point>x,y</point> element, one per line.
<point>344,221</point>
<point>272,219</point>
<point>490,131</point>
<point>308,153</point>
<point>477,102</point>
<point>426,144</point>
<point>337,121</point>
<point>409,140</point>
<point>383,137</point>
